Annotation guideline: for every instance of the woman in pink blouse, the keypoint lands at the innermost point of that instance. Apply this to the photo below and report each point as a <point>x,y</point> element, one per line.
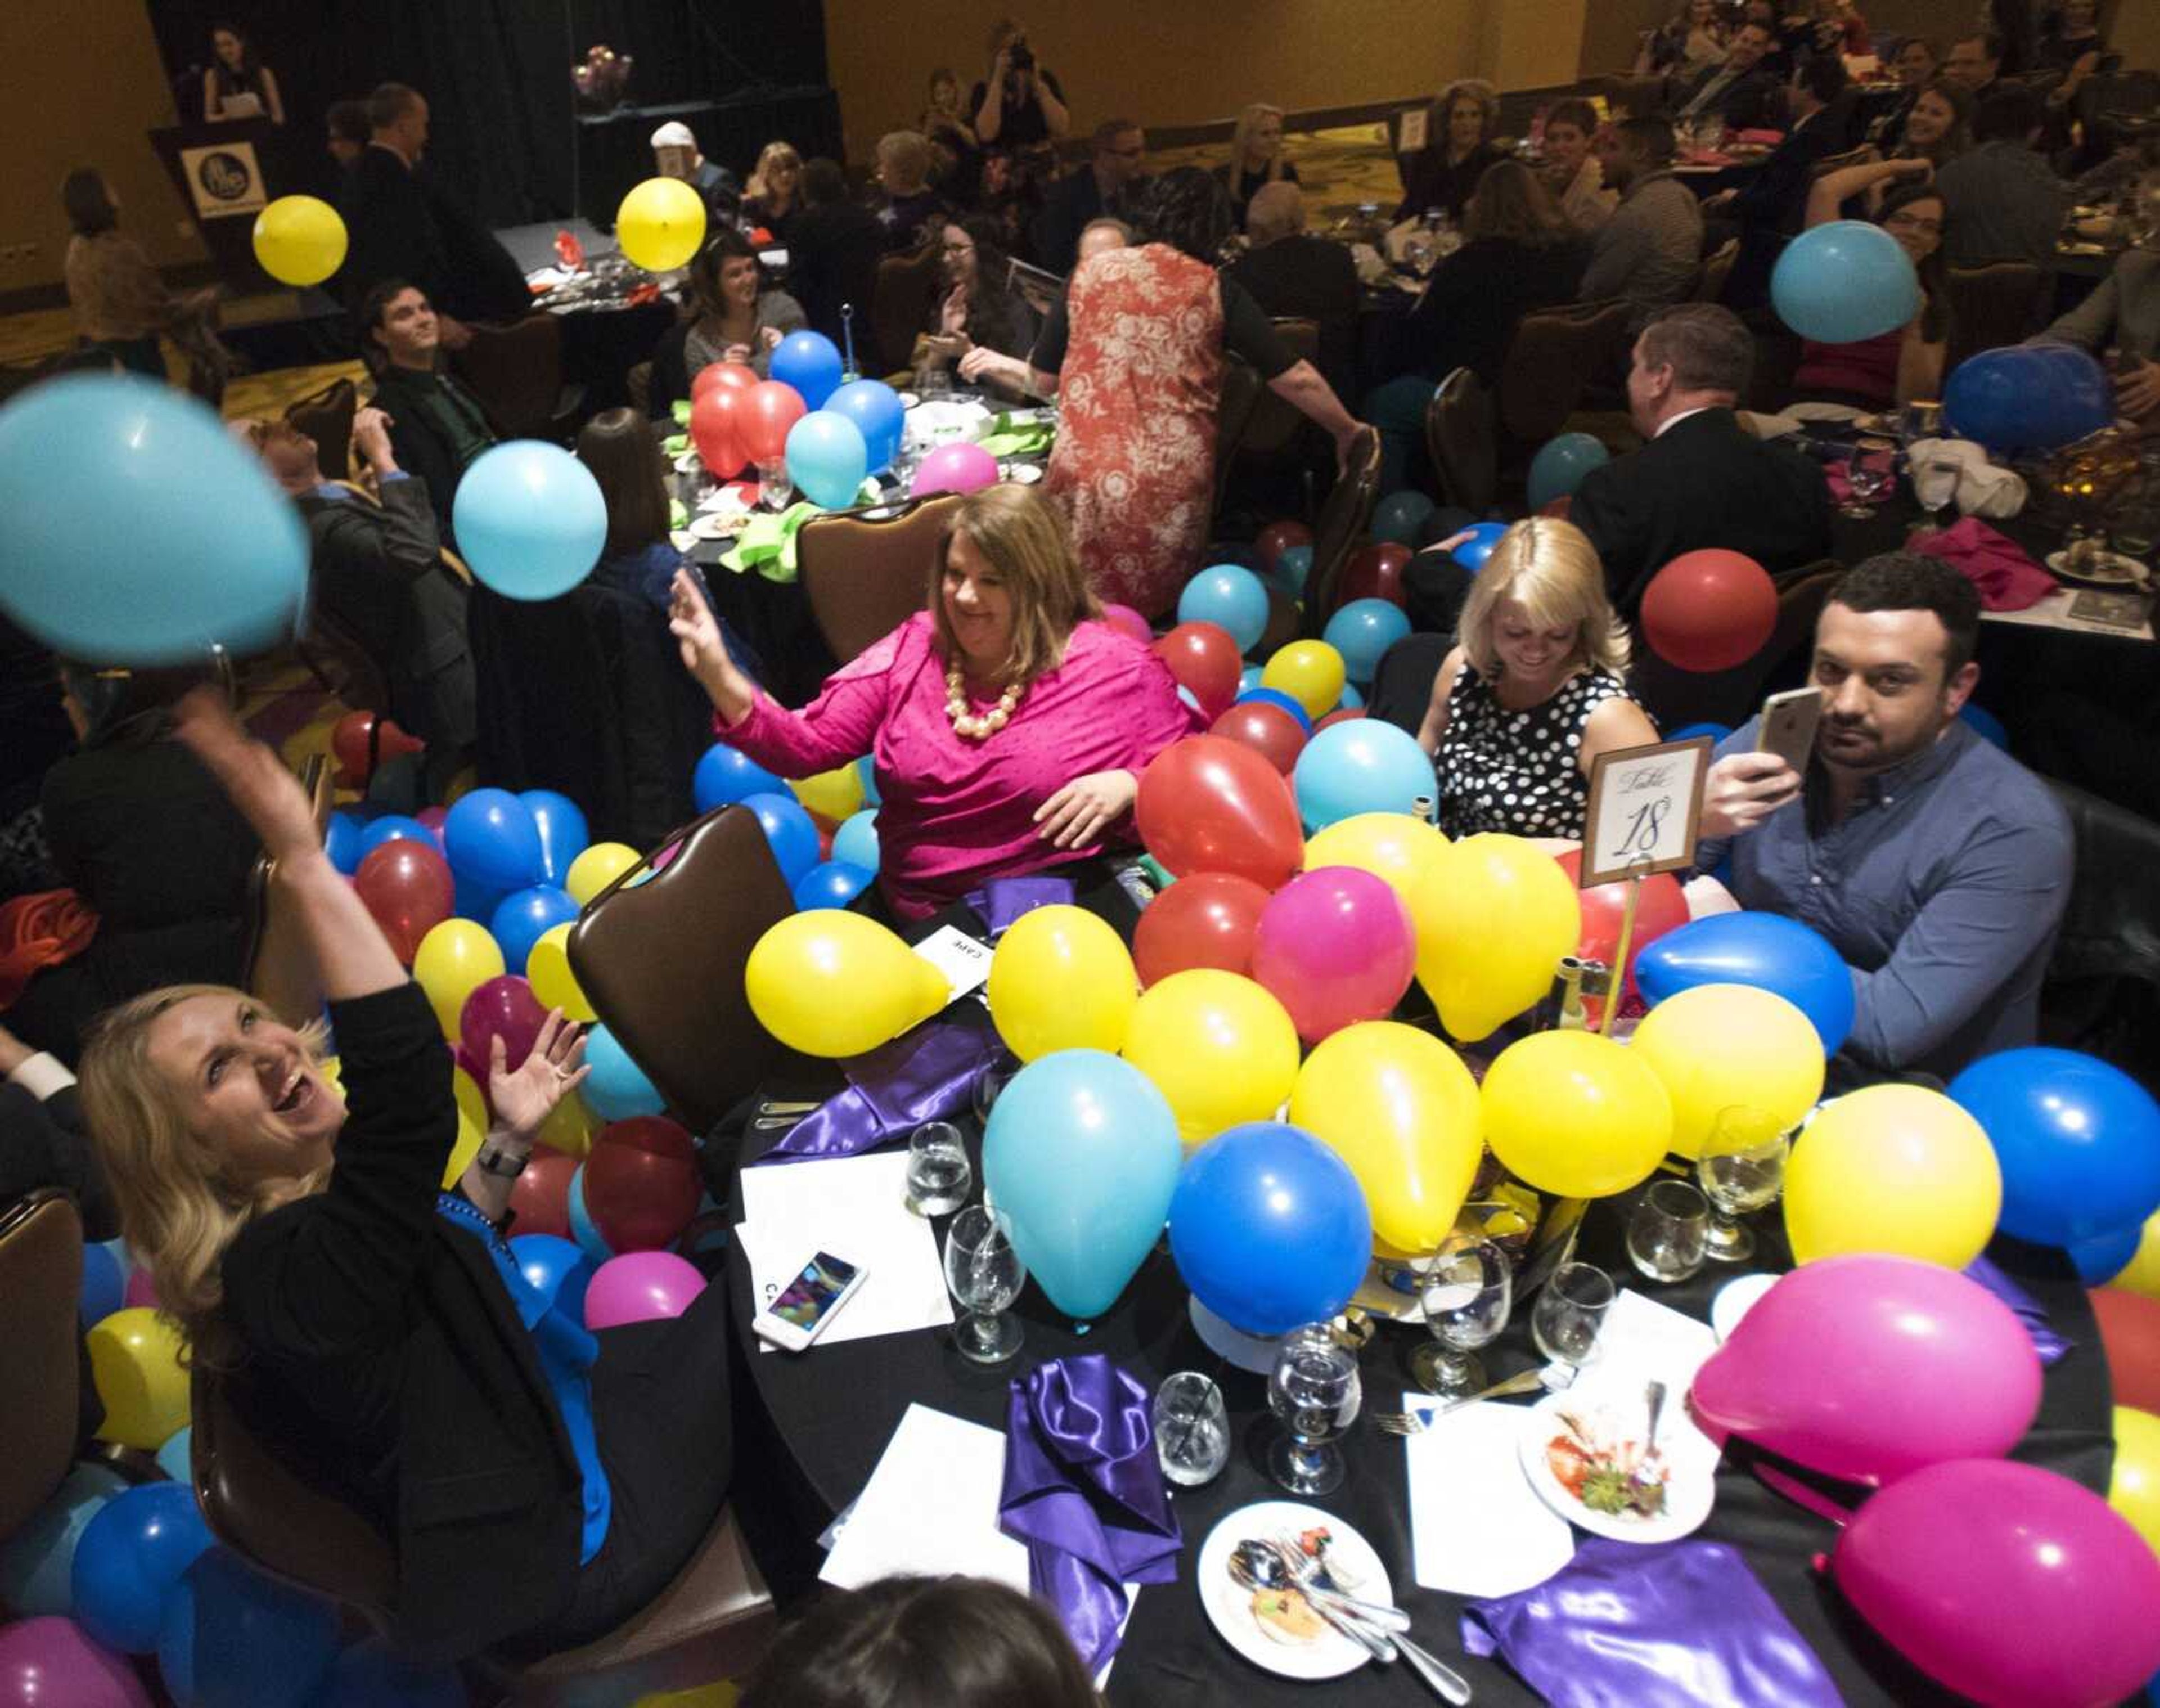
<point>1008,723</point>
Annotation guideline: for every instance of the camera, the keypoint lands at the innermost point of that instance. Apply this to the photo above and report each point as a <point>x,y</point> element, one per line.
<point>1020,56</point>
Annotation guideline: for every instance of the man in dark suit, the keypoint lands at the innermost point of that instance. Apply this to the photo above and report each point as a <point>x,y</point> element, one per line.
<point>1288,273</point>
<point>1701,479</point>
<point>833,255</point>
<point>1771,205</point>
<point>438,427</point>
<point>1090,193</point>
<point>1739,92</point>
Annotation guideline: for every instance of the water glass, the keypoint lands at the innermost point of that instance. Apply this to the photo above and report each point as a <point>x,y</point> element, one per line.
<point>938,1174</point>
<point>1314,1392</point>
<point>1571,1310</point>
<point>1742,1169</point>
<point>1935,485</point>
<point>985,1275</point>
<point>933,382</point>
<point>776,486</point>
<point>1467,1289</point>
<point>1192,1429</point>
<point>1867,479</point>
<point>1667,1234</point>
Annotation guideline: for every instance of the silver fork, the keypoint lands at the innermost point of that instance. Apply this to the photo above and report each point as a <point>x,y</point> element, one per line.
<point>1414,1422</point>
<point>1340,1610</point>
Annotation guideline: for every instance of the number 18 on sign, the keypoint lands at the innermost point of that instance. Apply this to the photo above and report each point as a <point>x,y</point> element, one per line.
<point>1645,812</point>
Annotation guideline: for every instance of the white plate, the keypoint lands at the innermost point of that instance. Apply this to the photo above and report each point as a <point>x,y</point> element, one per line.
<point>723,525</point>
<point>1229,1607</point>
<point>908,400</point>
<point>1688,1496</point>
<point>1734,1300</point>
<point>1023,474</point>
<point>2107,569</point>
<point>688,462</point>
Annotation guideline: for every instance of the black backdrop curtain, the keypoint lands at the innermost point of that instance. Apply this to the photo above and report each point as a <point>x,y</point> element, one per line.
<point>496,73</point>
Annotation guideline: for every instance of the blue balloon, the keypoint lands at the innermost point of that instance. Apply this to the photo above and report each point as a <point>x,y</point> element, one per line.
<point>809,362</point>
<point>616,1088</point>
<point>492,841</point>
<point>827,458</point>
<point>1186,697</point>
<point>478,901</point>
<point>1985,726</point>
<point>789,830</point>
<point>1844,282</point>
<point>1766,950</point>
<point>1082,1155</point>
<point>1229,597</point>
<point>524,916</point>
<point>2079,1141</point>
<point>1473,551</point>
<point>37,1562</point>
<point>2028,397</point>
<point>140,532</point>
<point>1364,629</point>
<point>1248,678</point>
<point>1400,515</point>
<point>1363,766</point>
<point>1716,732</point>
<point>866,769</point>
<point>1293,565</point>
<point>875,409</point>
<point>855,842</point>
<point>104,1283</point>
<point>559,1269</point>
<point>176,1458</point>
<point>368,1675</point>
<point>1351,700</point>
<point>341,841</point>
<point>132,1554</point>
<point>831,884</point>
<point>564,833</point>
<point>1268,1227</point>
<point>395,827</point>
<point>1558,468</point>
<point>2104,1256</point>
<point>233,1637</point>
<point>589,1238</point>
<point>529,519</point>
<point>724,776</point>
<point>1276,697</point>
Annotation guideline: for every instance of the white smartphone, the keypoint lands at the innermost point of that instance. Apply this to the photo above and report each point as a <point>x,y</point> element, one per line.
<point>1787,727</point>
<point>797,1315</point>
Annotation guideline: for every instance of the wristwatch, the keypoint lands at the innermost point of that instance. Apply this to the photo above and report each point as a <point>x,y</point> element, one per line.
<point>507,1165</point>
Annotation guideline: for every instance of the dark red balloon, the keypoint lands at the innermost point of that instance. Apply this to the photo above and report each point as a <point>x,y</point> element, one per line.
<point>1209,804</point>
<point>1374,572</point>
<point>1266,728</point>
<point>540,1195</point>
<point>1340,715</point>
<point>769,409</point>
<point>1203,657</point>
<point>1709,609</point>
<point>504,1006</point>
<point>642,1183</point>
<point>2129,1333</point>
<point>1284,620</point>
<point>1276,537</point>
<point>1663,907</point>
<point>1207,920</point>
<point>716,428</point>
<point>407,886</point>
<point>361,742</point>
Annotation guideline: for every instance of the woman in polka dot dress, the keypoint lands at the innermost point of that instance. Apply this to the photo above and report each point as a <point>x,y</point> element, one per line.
<point>1533,690</point>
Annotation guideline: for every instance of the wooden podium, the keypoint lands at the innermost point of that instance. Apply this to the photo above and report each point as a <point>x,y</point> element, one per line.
<point>226,174</point>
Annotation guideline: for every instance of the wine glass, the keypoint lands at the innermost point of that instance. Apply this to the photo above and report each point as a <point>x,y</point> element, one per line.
<point>1935,485</point>
<point>1467,1290</point>
<point>1741,1169</point>
<point>1667,1234</point>
<point>1570,1311</point>
<point>1865,479</point>
<point>1314,1392</point>
<point>985,1275</point>
<point>776,486</point>
<point>938,1172</point>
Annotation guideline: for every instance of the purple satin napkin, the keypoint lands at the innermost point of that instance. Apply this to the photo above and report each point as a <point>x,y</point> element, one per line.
<point>925,1074</point>
<point>2049,1345</point>
<point>1083,1489</point>
<point>1674,1625</point>
<point>1002,901</point>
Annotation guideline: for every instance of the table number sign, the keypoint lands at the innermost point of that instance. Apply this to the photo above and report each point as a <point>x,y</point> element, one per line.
<point>1645,808</point>
<point>1410,138</point>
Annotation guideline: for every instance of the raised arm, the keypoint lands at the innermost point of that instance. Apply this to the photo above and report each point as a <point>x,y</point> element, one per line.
<point>1055,116</point>
<point>1833,190</point>
<point>990,116</point>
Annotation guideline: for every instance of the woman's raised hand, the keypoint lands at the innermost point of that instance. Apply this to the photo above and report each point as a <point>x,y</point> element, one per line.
<point>705,652</point>
<point>523,1099</point>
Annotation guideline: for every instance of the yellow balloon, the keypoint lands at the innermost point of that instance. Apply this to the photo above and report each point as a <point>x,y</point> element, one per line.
<point>1494,914</point>
<point>334,1071</point>
<point>548,971</point>
<point>1309,671</point>
<point>1721,1045</point>
<point>455,959</point>
<point>718,1695</point>
<point>829,982</point>
<point>660,224</point>
<point>2134,1487</point>
<point>472,1100</point>
<point>1391,845</point>
<point>1217,1045</point>
<point>470,1135</point>
<point>1575,1114</point>
<point>1399,1105</point>
<point>2143,1274</point>
<point>837,794</point>
<point>569,1127</point>
<point>598,867</point>
<point>299,240</point>
<point>1062,978</point>
<point>135,1361</point>
<point>1893,1168</point>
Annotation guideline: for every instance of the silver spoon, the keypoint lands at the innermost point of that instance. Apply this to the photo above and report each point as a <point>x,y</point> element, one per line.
<point>1254,1567</point>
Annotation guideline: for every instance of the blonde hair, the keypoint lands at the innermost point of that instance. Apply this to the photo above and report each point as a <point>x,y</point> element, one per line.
<point>1025,539</point>
<point>176,1210</point>
<point>1550,568</point>
<point>1248,121</point>
<point>908,152</point>
<point>771,155</point>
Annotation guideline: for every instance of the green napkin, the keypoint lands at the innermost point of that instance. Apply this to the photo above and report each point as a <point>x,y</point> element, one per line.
<point>767,543</point>
<point>676,443</point>
<point>1008,438</point>
<point>678,515</point>
<point>682,412</point>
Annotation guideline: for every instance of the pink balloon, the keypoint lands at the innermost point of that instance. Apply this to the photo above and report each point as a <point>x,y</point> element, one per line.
<point>2008,1583</point>
<point>1335,946</point>
<point>1870,1367</point>
<point>641,1286</point>
<point>141,1289</point>
<point>432,817</point>
<point>1124,617</point>
<point>504,1005</point>
<point>959,467</point>
<point>47,1661</point>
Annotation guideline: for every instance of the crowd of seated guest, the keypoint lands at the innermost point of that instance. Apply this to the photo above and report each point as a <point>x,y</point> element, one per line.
<point>1441,176</point>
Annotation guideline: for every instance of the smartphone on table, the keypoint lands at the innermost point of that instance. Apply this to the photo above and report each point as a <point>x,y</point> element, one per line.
<point>798,1313</point>
<point>1787,727</point>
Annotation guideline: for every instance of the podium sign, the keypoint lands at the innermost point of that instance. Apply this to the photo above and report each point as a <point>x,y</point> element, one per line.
<point>223,179</point>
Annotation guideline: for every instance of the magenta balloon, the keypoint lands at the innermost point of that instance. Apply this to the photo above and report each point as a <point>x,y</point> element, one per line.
<point>49,1661</point>
<point>504,1005</point>
<point>641,1286</point>
<point>141,1289</point>
<point>1124,617</point>
<point>1871,1367</point>
<point>2006,1582</point>
<point>1336,945</point>
<point>960,467</point>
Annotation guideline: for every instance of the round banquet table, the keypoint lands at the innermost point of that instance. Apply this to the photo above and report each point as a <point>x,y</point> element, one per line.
<point>834,1408</point>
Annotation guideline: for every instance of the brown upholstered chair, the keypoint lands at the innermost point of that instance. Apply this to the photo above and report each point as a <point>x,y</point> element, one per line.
<point>638,386</point>
<point>1555,354</point>
<point>660,954</point>
<point>515,373</point>
<point>40,1282</point>
<point>1341,524</point>
<point>1234,413</point>
<point>865,573</point>
<point>1275,425</point>
<point>1458,435</point>
<point>1676,698</point>
<point>326,417</point>
<point>1991,306</point>
<point>1716,268</point>
<point>907,288</point>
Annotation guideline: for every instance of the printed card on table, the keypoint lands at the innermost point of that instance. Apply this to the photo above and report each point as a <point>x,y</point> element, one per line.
<point>1645,809</point>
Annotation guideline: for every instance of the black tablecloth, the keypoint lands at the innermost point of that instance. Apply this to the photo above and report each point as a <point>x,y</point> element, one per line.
<point>601,343</point>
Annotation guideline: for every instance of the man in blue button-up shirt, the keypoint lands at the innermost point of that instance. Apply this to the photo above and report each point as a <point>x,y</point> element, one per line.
<point>1937,866</point>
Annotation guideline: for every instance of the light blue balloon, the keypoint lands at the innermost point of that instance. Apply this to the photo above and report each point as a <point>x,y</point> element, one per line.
<point>1558,468</point>
<point>524,916</point>
<point>1293,564</point>
<point>616,1088</point>
<point>104,1282</point>
<point>138,531</point>
<point>875,409</point>
<point>530,520</point>
<point>233,1636</point>
<point>831,884</point>
<point>564,833</point>
<point>37,1561</point>
<point>827,458</point>
<point>1229,597</point>
<point>1363,765</point>
<point>809,362</point>
<point>1351,700</point>
<point>1400,515</point>
<point>1081,1155</point>
<point>1364,629</point>
<point>866,769</point>
<point>724,776</point>
<point>1248,678</point>
<point>1844,282</point>
<point>589,1238</point>
<point>176,1458</point>
<point>855,842</point>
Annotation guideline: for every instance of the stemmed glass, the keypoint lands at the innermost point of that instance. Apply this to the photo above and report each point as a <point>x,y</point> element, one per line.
<point>1570,1311</point>
<point>1314,1392</point>
<point>985,1275</point>
<point>1468,1288</point>
<point>1935,485</point>
<point>1866,481</point>
<point>1741,1169</point>
<point>1669,1232</point>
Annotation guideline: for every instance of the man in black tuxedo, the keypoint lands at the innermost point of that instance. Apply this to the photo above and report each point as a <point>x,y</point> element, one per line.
<point>1700,480</point>
<point>1770,207</point>
<point>1290,274</point>
<point>1740,91</point>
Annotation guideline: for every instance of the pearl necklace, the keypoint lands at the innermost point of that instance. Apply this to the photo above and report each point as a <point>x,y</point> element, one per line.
<point>968,724</point>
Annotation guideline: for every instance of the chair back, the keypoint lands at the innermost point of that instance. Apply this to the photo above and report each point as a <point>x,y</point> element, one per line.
<point>2102,990</point>
<point>1555,352</point>
<point>1234,413</point>
<point>40,1376</point>
<point>1341,524</point>
<point>1991,306</point>
<point>638,386</point>
<point>515,372</point>
<point>908,290</point>
<point>1275,425</point>
<point>1458,435</point>
<point>661,954</point>
<point>1676,698</point>
<point>326,417</point>
<point>862,573</point>
<point>1036,286</point>
<point>1716,268</point>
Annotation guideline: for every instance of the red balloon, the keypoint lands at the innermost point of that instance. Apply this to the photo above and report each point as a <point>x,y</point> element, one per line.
<point>735,375</point>
<point>2129,1333</point>
<point>1207,920</point>
<point>504,1007</point>
<point>716,428</point>
<point>1203,657</point>
<point>770,409</point>
<point>1284,620</point>
<point>1340,715</point>
<point>1709,609</point>
<point>1276,537</point>
<point>1663,907</point>
<point>361,741</point>
<point>407,886</point>
<point>642,1183</point>
<point>541,1195</point>
<point>1207,804</point>
<point>1266,728</point>
<point>1335,947</point>
<point>1375,572</point>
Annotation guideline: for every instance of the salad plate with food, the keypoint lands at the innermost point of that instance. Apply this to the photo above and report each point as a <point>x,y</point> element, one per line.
<point>1613,1462</point>
<point>1256,1604</point>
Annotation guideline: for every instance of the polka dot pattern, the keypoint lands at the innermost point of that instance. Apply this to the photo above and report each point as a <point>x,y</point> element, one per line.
<point>1517,771</point>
